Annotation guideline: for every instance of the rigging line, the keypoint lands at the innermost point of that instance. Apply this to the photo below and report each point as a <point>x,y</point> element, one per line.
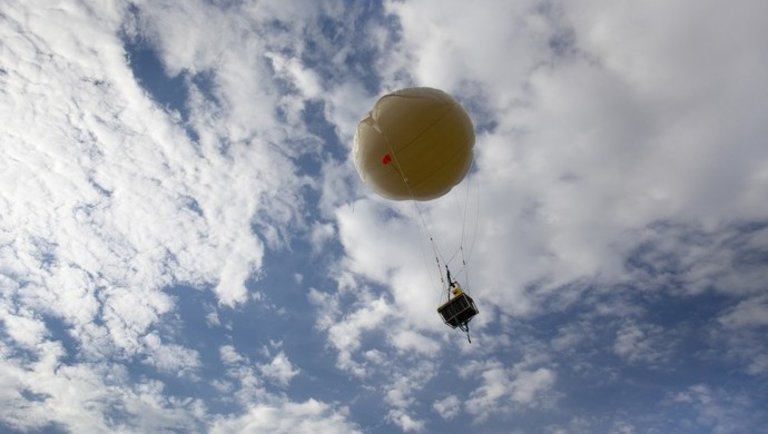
<point>435,249</point>
<point>463,207</point>
<point>427,232</point>
<point>465,258</point>
<point>463,210</point>
<point>476,220</point>
<point>399,171</point>
<point>453,256</point>
<point>436,289</point>
<point>466,202</point>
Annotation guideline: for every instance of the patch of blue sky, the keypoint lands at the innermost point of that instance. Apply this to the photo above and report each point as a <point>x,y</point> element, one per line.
<point>169,92</point>
<point>51,428</point>
<point>59,331</point>
<point>317,124</point>
<point>194,331</point>
<point>351,31</point>
<point>206,84</point>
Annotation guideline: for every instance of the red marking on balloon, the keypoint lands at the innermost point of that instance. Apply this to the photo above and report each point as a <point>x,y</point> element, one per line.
<point>386,160</point>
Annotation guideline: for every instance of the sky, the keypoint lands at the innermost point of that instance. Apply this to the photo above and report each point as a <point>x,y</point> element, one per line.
<point>185,245</point>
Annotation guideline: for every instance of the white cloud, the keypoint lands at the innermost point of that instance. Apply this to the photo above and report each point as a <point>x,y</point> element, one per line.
<point>528,385</point>
<point>110,193</point>
<point>691,259</point>
<point>412,342</point>
<point>643,343</point>
<point>23,328</point>
<point>388,247</point>
<point>279,370</point>
<point>105,201</point>
<point>82,396</point>
<point>752,312</point>
<point>229,355</point>
<point>307,417</point>
<point>446,43</point>
<point>307,82</point>
<point>170,357</point>
<point>741,334</point>
<point>405,421</point>
<point>345,333</point>
<point>502,389</point>
<point>447,407</point>
<point>320,235</point>
<point>400,393</point>
<point>718,411</point>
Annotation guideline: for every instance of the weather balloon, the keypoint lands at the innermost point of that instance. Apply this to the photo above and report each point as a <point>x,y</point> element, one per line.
<point>415,143</point>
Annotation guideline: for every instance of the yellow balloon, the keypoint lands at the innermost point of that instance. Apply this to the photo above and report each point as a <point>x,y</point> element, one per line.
<point>415,143</point>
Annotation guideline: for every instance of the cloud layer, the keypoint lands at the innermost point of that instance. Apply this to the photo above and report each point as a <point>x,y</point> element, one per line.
<point>184,244</point>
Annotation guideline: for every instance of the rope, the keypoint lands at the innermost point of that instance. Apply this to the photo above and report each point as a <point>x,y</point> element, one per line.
<point>473,238</point>
<point>422,221</point>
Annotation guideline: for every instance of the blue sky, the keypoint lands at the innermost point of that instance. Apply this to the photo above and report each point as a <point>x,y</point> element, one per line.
<point>185,245</point>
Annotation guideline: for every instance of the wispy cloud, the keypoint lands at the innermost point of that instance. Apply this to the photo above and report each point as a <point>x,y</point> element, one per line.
<point>161,161</point>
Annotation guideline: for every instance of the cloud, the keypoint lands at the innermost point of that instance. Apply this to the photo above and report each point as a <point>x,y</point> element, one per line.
<point>279,370</point>
<point>310,416</point>
<point>170,357</point>
<point>25,329</point>
<point>109,198</point>
<point>387,245</point>
<point>442,44</point>
<point>400,394</point>
<point>739,332</point>
<point>80,396</point>
<point>646,343</point>
<point>691,259</point>
<point>503,388</point>
<point>447,407</point>
<point>752,312</point>
<point>405,421</point>
<point>407,340</point>
<point>345,335</point>
<point>229,355</point>
<point>718,410</point>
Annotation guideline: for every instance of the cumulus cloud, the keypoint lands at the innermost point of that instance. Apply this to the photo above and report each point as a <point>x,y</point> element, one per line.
<point>740,331</point>
<point>504,388</point>
<point>448,407</point>
<point>80,396</point>
<point>170,357</point>
<point>279,370</point>
<point>346,332</point>
<point>752,312</point>
<point>718,410</point>
<point>644,343</point>
<point>310,416</point>
<point>400,395</point>
<point>109,197</point>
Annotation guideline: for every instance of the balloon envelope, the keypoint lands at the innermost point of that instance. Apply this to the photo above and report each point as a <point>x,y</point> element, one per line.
<point>415,143</point>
